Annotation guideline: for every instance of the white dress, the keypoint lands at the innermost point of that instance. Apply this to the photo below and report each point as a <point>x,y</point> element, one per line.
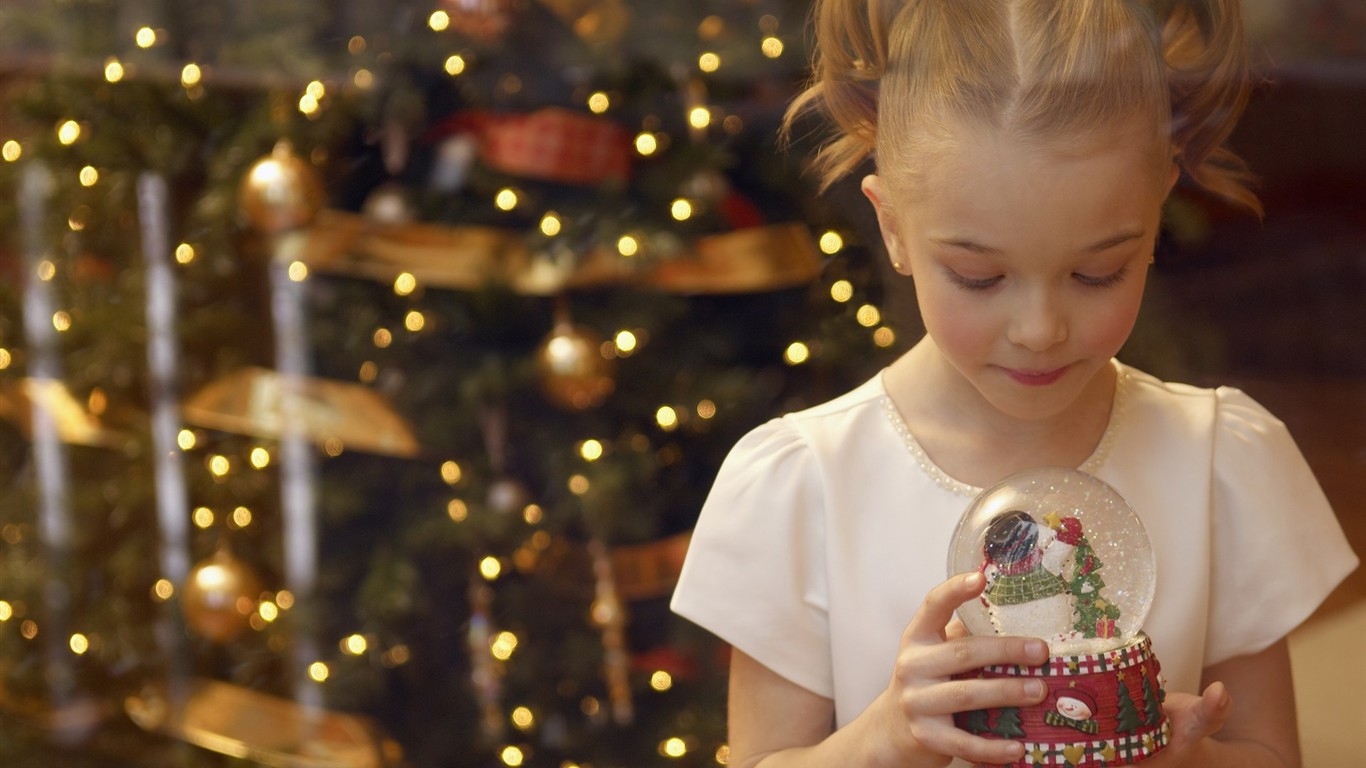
<point>826,528</point>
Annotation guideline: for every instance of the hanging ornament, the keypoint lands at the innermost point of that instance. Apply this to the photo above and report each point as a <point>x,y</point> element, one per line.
<point>219,596</point>
<point>485,21</point>
<point>573,372</point>
<point>609,614</point>
<point>280,191</point>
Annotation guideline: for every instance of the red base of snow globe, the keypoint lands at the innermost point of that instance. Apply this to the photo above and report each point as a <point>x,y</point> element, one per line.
<point>1102,709</point>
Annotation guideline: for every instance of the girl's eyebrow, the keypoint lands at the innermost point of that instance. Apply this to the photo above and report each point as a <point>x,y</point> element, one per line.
<point>972,246</point>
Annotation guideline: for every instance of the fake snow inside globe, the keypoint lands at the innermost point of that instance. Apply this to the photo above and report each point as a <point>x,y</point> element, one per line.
<point>1066,560</point>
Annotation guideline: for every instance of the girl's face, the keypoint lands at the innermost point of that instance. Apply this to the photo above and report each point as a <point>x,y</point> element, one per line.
<point>1029,261</point>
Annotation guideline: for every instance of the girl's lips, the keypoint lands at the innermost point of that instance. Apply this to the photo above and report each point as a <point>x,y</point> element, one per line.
<point>1036,378</point>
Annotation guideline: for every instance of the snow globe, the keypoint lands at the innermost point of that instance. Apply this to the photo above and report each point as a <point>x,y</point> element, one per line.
<point>1066,560</point>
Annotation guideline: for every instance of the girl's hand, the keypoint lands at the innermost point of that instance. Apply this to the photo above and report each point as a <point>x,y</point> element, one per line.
<point>1192,719</point>
<point>924,696</point>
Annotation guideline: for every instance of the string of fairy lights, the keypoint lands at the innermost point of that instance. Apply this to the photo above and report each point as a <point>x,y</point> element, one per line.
<point>260,609</point>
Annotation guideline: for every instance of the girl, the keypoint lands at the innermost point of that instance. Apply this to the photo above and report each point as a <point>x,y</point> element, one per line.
<point>1024,149</point>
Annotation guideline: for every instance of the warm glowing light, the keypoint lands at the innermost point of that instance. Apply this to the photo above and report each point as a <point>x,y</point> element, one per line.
<point>673,747</point>
<point>831,243</point>
<point>884,337</point>
<point>163,590</point>
<point>628,245</point>
<point>666,417</point>
<point>661,680</point>
<point>868,316</point>
<point>522,718</point>
<point>533,514</point>
<point>5,358</point>
<point>414,321</point>
<point>79,643</point>
<point>268,611</point>
<point>626,342</point>
<point>318,671</point>
<point>457,510</point>
<point>219,465</point>
<point>599,102</point>
<point>382,337</point>
<point>113,70</point>
<point>772,47</point>
<point>699,117</point>
<point>202,516</point>
<point>405,283</point>
<point>578,485</point>
<point>646,144</point>
<point>512,756</point>
<point>89,176</point>
<point>506,199</point>
<point>842,291</point>
<point>502,645</point>
<point>550,224</point>
<point>46,270</point>
<point>185,439</point>
<point>145,37</point>
<point>308,104</point>
<point>439,21</point>
<point>241,517</point>
<point>706,409</point>
<point>455,64</point>
<point>590,450</point>
<point>29,629</point>
<point>590,705</point>
<point>451,472</point>
<point>354,645</point>
<point>184,253</point>
<point>61,320</point>
<point>260,457</point>
<point>316,89</point>
<point>285,599</point>
<point>363,79</point>
<point>369,371</point>
<point>356,45</point>
<point>68,132</point>
<point>11,150</point>
<point>796,353</point>
<point>723,754</point>
<point>490,568</point>
<point>681,210</point>
<point>190,75</point>
<point>298,271</point>
<point>709,62</point>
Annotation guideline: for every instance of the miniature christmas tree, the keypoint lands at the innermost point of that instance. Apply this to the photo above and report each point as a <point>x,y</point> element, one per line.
<point>1095,616</point>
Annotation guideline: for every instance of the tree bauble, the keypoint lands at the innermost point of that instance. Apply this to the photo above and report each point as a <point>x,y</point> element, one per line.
<point>219,597</point>
<point>573,372</point>
<point>280,191</point>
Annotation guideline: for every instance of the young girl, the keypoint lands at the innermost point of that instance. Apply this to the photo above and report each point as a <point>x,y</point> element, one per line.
<point>1024,149</point>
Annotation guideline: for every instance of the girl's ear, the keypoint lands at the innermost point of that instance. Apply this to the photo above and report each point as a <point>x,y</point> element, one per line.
<point>876,193</point>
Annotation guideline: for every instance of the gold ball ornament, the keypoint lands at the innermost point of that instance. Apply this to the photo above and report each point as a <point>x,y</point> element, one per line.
<point>573,372</point>
<point>219,597</point>
<point>280,191</point>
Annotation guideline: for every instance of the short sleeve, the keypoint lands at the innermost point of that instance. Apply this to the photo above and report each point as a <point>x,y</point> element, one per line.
<point>1278,548</point>
<point>754,574</point>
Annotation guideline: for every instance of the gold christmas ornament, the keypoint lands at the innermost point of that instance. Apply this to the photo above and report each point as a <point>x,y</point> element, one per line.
<point>573,372</point>
<point>280,192</point>
<point>219,596</point>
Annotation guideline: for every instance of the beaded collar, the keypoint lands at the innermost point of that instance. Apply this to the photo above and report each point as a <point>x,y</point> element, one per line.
<point>948,483</point>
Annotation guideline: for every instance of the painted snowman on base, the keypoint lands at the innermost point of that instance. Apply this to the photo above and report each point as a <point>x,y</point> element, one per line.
<point>1027,593</point>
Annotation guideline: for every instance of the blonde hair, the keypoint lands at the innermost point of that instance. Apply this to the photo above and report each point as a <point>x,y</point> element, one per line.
<point>895,76</point>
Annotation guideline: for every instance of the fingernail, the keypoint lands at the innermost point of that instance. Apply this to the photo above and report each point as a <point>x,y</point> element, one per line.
<point>1036,649</point>
<point>1034,688</point>
<point>974,580</point>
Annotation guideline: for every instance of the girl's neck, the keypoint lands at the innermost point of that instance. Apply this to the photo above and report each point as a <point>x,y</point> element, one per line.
<point>975,443</point>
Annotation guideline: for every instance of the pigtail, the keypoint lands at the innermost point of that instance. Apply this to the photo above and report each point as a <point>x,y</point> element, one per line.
<point>849,60</point>
<point>1208,75</point>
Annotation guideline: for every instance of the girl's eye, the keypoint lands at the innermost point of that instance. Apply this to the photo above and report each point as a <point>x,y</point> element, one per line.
<point>1104,281</point>
<point>972,283</point>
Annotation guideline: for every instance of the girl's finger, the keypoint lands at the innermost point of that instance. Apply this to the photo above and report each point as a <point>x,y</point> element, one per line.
<point>965,654</point>
<point>950,696</point>
<point>945,739</point>
<point>927,626</point>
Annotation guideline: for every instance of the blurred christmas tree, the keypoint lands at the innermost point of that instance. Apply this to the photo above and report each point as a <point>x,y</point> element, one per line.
<point>363,368</point>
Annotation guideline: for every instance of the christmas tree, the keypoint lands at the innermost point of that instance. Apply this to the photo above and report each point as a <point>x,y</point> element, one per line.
<point>363,369</point>
<point>1092,611</point>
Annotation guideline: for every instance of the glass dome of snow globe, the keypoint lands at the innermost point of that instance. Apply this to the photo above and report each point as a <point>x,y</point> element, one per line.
<point>1065,557</point>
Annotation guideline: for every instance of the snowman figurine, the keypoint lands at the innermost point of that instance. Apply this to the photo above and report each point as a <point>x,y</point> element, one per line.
<point>1027,593</point>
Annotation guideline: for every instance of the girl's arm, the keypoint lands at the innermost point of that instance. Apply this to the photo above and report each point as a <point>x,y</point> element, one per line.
<point>775,723</point>
<point>1245,719</point>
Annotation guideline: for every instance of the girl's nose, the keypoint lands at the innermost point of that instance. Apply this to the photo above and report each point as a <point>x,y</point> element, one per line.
<point>1039,324</point>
